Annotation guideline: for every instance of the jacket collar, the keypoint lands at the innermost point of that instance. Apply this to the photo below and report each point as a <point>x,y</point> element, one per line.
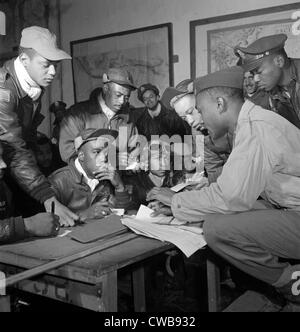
<point>95,108</point>
<point>76,175</point>
<point>10,68</point>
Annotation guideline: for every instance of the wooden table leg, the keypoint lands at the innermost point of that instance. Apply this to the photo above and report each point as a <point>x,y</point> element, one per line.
<point>5,304</point>
<point>214,286</point>
<point>138,281</point>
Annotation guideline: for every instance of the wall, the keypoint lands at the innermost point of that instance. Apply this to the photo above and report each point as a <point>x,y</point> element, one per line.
<point>88,18</point>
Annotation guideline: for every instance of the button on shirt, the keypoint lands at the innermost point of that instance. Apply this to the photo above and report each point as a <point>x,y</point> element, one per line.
<point>265,161</point>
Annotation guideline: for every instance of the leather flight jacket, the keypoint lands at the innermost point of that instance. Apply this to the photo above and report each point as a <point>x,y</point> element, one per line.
<point>19,119</point>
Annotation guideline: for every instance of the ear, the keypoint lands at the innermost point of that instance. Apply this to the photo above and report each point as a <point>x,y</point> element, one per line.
<point>279,61</point>
<point>24,58</point>
<point>81,156</point>
<point>221,105</point>
<point>105,88</point>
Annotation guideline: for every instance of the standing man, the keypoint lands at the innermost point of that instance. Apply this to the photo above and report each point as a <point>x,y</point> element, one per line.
<point>155,118</point>
<point>275,73</point>
<point>22,82</point>
<point>265,161</point>
<point>106,109</point>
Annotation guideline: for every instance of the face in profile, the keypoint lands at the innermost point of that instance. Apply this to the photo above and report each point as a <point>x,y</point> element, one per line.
<point>185,107</point>
<point>116,96</point>
<point>250,86</point>
<point>93,156</point>
<point>41,70</point>
<point>268,74</point>
<point>2,163</point>
<point>211,115</point>
<point>150,99</point>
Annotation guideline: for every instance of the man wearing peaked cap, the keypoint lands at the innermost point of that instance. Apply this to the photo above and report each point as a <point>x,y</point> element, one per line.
<point>107,108</point>
<point>274,73</point>
<point>264,162</point>
<point>93,134</point>
<point>156,119</point>
<point>22,82</point>
<point>90,185</point>
<point>119,76</point>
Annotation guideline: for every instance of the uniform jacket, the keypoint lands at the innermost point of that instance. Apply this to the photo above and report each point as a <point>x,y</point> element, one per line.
<point>286,100</point>
<point>88,114</point>
<point>18,127</point>
<point>265,161</point>
<point>72,191</point>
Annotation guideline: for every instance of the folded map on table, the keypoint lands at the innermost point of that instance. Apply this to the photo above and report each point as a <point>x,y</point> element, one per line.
<point>96,230</point>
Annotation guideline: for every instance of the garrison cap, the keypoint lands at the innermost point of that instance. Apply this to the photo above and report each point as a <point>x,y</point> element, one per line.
<point>92,134</point>
<point>171,95</point>
<point>252,56</point>
<point>146,87</point>
<point>232,77</point>
<point>120,76</point>
<point>184,85</point>
<point>2,23</point>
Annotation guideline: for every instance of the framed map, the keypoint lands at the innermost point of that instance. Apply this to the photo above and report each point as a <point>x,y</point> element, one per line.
<point>213,40</point>
<point>147,53</point>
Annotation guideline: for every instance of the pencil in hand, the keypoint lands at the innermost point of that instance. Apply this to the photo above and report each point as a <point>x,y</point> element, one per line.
<point>53,207</point>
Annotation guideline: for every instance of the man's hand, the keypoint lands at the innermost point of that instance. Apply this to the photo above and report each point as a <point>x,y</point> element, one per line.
<point>163,195</point>
<point>66,217</point>
<point>42,225</point>
<point>96,211</point>
<point>111,175</point>
<point>159,209</point>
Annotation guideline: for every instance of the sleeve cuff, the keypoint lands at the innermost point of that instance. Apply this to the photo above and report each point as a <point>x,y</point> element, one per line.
<point>19,227</point>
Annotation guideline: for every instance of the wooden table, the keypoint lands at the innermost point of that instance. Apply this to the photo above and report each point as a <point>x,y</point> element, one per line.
<point>90,283</point>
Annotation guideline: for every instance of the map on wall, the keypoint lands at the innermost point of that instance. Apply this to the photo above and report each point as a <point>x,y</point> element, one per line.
<point>214,40</point>
<point>221,43</point>
<point>145,54</point>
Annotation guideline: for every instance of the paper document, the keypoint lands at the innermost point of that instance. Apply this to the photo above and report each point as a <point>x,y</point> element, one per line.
<point>187,237</point>
<point>118,212</point>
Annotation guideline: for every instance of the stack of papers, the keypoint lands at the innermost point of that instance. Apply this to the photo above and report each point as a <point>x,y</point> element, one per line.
<point>187,237</point>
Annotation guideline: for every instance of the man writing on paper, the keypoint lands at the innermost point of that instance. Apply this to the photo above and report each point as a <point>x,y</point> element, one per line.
<point>265,162</point>
<point>22,82</point>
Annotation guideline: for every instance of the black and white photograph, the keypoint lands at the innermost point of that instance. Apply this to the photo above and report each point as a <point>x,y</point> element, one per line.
<point>149,158</point>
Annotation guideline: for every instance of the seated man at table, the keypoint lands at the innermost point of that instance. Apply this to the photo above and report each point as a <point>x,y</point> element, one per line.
<point>159,161</point>
<point>265,161</point>
<point>90,185</point>
<point>14,229</point>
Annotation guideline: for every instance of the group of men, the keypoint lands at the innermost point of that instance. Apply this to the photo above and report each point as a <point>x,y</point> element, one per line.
<point>252,156</point>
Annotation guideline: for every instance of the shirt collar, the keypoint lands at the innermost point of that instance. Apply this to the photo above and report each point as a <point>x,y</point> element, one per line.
<point>106,110</point>
<point>155,113</point>
<point>92,183</point>
<point>32,89</point>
